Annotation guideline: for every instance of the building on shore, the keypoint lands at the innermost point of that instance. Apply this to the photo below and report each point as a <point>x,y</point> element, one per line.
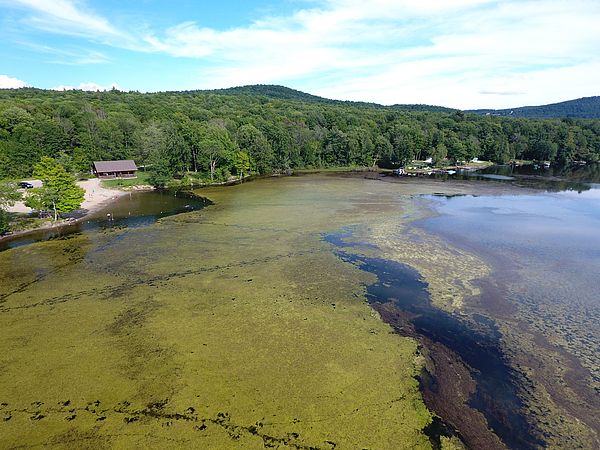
<point>115,169</point>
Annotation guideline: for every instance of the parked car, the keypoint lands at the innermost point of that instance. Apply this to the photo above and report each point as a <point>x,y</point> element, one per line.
<point>26,185</point>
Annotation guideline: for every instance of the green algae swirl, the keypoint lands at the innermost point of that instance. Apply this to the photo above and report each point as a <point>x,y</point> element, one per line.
<point>231,327</point>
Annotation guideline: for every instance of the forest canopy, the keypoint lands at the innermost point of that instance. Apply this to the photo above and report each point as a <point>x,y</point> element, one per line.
<point>219,134</point>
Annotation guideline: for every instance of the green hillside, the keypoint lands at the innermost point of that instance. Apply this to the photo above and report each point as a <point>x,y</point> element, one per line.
<point>583,108</point>
<point>285,93</point>
<point>213,135</point>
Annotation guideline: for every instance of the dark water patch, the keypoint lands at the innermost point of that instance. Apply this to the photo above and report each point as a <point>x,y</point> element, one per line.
<point>497,393</point>
<point>589,173</point>
<point>339,239</point>
<point>138,209</point>
<point>436,429</point>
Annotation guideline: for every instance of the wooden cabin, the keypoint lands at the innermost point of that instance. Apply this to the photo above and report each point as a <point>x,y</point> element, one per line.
<point>115,169</point>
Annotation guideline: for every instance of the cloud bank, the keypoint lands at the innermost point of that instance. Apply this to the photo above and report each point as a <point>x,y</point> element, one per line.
<point>464,53</point>
<point>7,82</point>
<point>88,86</point>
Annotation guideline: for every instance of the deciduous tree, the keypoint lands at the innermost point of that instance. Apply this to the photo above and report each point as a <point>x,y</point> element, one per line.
<point>242,164</point>
<point>59,192</point>
<point>8,196</point>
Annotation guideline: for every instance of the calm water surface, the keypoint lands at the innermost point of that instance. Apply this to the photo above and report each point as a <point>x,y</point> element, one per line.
<point>551,243</point>
<point>558,232</point>
<point>137,209</point>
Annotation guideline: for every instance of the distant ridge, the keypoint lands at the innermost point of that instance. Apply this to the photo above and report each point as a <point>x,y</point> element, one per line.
<point>285,93</point>
<point>272,91</point>
<point>581,108</point>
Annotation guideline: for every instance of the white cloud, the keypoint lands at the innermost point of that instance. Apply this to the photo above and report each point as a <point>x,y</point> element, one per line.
<point>67,17</point>
<point>7,82</point>
<point>79,59</point>
<point>89,86</point>
<point>404,83</point>
<point>68,56</point>
<point>460,53</point>
<point>466,53</point>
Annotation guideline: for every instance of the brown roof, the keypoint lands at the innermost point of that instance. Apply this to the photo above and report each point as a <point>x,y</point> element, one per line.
<point>126,165</point>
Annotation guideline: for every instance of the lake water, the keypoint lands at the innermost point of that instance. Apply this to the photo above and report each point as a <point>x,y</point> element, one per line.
<point>497,391</point>
<point>553,246</point>
<point>134,210</point>
<point>545,249</point>
<point>248,323</point>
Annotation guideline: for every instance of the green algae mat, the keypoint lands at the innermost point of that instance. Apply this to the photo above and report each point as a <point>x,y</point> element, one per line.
<point>232,327</point>
<point>245,325</point>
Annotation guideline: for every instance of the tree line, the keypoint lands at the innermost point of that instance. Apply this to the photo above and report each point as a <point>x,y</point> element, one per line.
<point>213,136</point>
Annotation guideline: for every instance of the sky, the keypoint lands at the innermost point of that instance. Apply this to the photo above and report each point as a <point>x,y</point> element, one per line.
<point>458,53</point>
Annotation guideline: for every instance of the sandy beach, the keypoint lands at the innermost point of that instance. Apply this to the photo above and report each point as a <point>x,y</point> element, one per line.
<point>96,197</point>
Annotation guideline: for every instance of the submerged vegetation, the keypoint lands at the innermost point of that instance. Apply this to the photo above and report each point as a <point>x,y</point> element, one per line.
<point>214,135</point>
<point>239,325</point>
<point>234,326</point>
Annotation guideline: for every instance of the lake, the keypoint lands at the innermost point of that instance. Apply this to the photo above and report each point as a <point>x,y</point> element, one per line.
<point>545,251</point>
<point>133,210</point>
<point>264,317</point>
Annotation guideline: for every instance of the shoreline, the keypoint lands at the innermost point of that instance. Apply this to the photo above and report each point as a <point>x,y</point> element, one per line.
<point>449,375</point>
<point>96,198</point>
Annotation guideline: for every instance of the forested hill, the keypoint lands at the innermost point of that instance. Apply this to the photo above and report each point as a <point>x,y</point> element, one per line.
<point>286,93</point>
<point>270,91</point>
<point>201,133</point>
<point>583,108</point>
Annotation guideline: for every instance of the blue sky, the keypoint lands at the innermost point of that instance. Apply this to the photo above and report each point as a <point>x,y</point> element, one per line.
<point>459,53</point>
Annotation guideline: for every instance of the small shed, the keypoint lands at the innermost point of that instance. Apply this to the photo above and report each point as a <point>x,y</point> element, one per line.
<point>115,169</point>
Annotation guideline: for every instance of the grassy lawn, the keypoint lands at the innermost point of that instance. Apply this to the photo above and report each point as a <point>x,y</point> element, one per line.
<point>142,179</point>
<point>480,164</point>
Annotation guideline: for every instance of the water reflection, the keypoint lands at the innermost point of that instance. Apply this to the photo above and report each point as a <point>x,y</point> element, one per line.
<point>589,173</point>
<point>560,223</point>
<point>137,209</point>
<point>551,241</point>
<point>574,178</point>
